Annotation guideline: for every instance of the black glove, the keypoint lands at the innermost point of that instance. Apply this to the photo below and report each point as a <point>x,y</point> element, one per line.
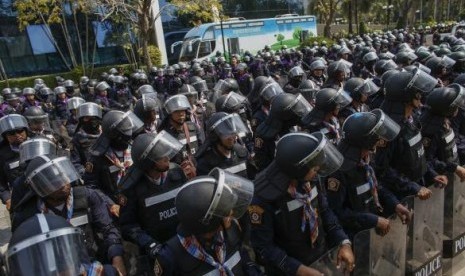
<point>152,249</point>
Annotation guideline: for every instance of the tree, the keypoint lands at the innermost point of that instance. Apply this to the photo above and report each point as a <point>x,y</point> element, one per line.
<point>280,38</point>
<point>327,10</point>
<point>296,33</point>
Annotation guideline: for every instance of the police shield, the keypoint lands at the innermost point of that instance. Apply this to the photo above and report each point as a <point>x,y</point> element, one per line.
<point>424,237</point>
<point>381,255</point>
<point>327,264</point>
<point>454,227</point>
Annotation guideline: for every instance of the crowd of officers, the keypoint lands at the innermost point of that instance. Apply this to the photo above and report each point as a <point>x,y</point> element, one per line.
<point>257,166</point>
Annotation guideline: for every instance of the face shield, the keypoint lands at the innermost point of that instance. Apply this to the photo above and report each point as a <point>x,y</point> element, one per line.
<point>422,81</point>
<point>192,96</point>
<point>448,62</point>
<point>12,122</point>
<point>326,156</point>
<point>200,86</point>
<point>74,103</point>
<point>233,101</point>
<point>52,175</point>
<point>300,106</point>
<point>385,128</point>
<point>460,99</point>
<point>221,86</point>
<point>231,124</point>
<point>345,66</point>
<point>151,95</point>
<point>368,88</point>
<point>32,148</point>
<point>342,99</point>
<point>423,68</point>
<point>58,252</point>
<point>270,91</point>
<point>38,122</point>
<point>89,109</point>
<point>128,124</point>
<point>177,102</point>
<point>232,196</point>
<point>164,145</point>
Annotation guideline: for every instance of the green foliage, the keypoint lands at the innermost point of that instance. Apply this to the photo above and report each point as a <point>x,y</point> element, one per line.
<point>154,54</point>
<point>198,11</point>
<point>296,33</point>
<point>309,42</point>
<point>280,37</point>
<point>362,28</point>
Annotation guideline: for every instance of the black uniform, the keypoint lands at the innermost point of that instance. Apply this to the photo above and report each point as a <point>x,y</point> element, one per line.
<point>212,158</point>
<point>80,151</point>
<point>9,170</point>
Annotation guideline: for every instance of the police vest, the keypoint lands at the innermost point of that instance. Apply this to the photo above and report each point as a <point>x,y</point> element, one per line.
<point>186,264</point>
<point>288,232</point>
<point>84,141</point>
<point>192,146</point>
<point>82,219</point>
<point>11,166</point>
<point>157,213</point>
<point>411,160</point>
<point>359,191</point>
<point>236,164</point>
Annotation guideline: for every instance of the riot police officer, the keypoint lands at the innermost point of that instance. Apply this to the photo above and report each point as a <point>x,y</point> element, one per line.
<point>14,131</point>
<point>295,77</point>
<point>111,154</point>
<point>359,90</point>
<point>50,245</point>
<point>87,132</point>
<point>53,182</point>
<point>149,218</point>
<point>401,163</point>
<point>338,72</point>
<point>30,99</point>
<point>208,238</point>
<point>265,95</point>
<point>147,110</point>
<point>354,194</point>
<point>292,225</point>
<point>185,131</point>
<point>221,148</point>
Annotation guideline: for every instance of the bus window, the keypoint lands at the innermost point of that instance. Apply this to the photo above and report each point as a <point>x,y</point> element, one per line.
<point>189,49</point>
<point>206,48</point>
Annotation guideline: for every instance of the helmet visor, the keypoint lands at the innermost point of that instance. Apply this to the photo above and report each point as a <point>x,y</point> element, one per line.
<point>342,98</point>
<point>175,103</point>
<point>300,106</point>
<point>89,109</point>
<point>460,99</point>
<point>221,86</point>
<point>129,124</point>
<point>30,149</point>
<point>385,128</point>
<point>52,175</point>
<point>58,252</point>
<point>12,122</point>
<point>150,95</point>
<point>200,86</point>
<point>233,101</point>
<point>448,62</point>
<point>422,81</point>
<point>326,156</point>
<point>75,102</point>
<point>368,88</point>
<point>231,124</point>
<point>232,196</point>
<point>163,145</point>
<point>270,91</point>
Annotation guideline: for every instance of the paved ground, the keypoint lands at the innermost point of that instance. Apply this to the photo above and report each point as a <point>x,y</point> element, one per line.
<point>5,225</point>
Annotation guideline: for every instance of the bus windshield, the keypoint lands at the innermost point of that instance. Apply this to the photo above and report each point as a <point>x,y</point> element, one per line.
<point>189,49</point>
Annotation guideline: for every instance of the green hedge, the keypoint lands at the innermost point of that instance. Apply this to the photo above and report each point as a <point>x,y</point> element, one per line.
<point>50,80</point>
<point>319,39</point>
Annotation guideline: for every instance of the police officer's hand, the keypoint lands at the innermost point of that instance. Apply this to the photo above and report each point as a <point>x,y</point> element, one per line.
<point>403,213</point>
<point>382,226</point>
<point>114,210</point>
<point>346,255</point>
<point>118,263</point>
<point>424,193</point>
<point>8,204</point>
<point>153,249</point>
<point>307,271</point>
<point>441,180</point>
<point>460,172</point>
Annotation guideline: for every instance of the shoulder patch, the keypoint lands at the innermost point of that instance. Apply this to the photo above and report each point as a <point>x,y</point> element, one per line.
<point>426,142</point>
<point>333,184</point>
<point>381,143</point>
<point>256,214</point>
<point>258,143</point>
<point>157,269</point>
<point>122,200</point>
<point>89,167</point>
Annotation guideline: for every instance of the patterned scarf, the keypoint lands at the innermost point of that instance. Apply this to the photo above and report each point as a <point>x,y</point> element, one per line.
<point>69,206</point>
<point>193,247</point>
<point>373,181</point>
<point>309,215</point>
<point>93,269</point>
<point>333,128</point>
<point>124,165</point>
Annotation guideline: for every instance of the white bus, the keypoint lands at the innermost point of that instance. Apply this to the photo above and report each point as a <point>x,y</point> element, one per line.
<point>238,36</point>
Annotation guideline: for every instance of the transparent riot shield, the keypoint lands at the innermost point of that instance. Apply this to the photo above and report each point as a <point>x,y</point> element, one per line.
<point>424,239</point>
<point>454,227</point>
<point>327,264</point>
<point>381,255</point>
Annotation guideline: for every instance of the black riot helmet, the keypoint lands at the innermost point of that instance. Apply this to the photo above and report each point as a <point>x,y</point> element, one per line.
<point>29,91</point>
<point>190,92</point>
<point>47,245</point>
<point>144,106</point>
<point>34,147</point>
<point>176,103</point>
<point>356,87</point>
<point>46,176</point>
<point>440,65</point>
<point>199,84</point>
<point>460,79</point>
<point>297,153</point>
<point>119,125</point>
<point>231,102</point>
<point>37,118</point>
<point>336,67</point>
<point>383,65</point>
<point>406,86</point>
<point>203,202</point>
<point>102,86</point>
<point>308,89</point>
<point>222,124</point>
<point>296,75</point>
<point>269,91</point>
<point>148,148</point>
<point>405,58</point>
<point>289,107</point>
<point>232,85</point>
<point>328,99</point>
<point>444,101</point>
<point>11,123</point>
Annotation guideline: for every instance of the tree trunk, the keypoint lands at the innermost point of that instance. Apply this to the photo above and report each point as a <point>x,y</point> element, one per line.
<point>66,35</point>
<point>351,30</point>
<point>356,16</point>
